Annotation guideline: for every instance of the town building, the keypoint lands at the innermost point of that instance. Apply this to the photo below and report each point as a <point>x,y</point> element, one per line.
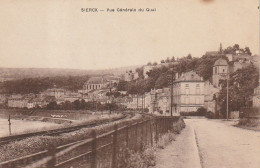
<point>56,92</point>
<point>3,98</point>
<point>188,92</point>
<point>211,92</point>
<point>220,71</point>
<point>256,97</point>
<point>160,101</point>
<point>95,83</point>
<point>17,102</point>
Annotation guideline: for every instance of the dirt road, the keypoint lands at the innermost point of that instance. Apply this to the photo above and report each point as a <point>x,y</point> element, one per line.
<point>222,145</point>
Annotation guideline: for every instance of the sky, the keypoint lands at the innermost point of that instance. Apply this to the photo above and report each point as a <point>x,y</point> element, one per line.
<point>56,34</point>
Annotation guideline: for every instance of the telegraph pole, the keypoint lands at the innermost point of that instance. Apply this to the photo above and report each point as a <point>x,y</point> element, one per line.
<point>171,89</point>
<point>137,102</point>
<point>142,103</point>
<point>227,97</point>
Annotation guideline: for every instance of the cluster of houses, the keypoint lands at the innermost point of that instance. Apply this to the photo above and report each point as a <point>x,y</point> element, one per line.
<point>189,90</point>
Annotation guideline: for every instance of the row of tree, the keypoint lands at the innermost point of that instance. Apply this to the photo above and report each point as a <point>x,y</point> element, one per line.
<point>82,105</point>
<point>36,85</point>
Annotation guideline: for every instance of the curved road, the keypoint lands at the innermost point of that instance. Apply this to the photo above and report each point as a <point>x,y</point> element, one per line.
<point>222,145</point>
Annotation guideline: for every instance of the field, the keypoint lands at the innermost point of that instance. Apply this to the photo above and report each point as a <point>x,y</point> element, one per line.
<point>22,126</point>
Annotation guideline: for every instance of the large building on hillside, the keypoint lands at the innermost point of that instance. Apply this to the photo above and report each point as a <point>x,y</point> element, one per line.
<point>95,83</point>
<point>220,71</point>
<point>188,92</point>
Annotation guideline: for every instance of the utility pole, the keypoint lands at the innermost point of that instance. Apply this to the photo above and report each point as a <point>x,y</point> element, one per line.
<point>137,102</point>
<point>144,100</point>
<point>142,103</point>
<point>227,97</point>
<point>171,83</point>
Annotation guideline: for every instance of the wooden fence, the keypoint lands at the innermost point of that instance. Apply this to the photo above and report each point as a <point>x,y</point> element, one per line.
<point>100,151</point>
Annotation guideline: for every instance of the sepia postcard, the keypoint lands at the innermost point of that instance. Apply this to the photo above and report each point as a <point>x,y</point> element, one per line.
<point>129,84</point>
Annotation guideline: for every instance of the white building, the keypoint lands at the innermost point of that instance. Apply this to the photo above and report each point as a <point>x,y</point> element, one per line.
<point>95,83</point>
<point>188,92</point>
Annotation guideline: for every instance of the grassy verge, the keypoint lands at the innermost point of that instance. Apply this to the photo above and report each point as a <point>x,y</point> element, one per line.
<point>147,157</point>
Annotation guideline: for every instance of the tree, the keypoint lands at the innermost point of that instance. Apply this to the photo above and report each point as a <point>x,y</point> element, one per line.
<point>173,59</point>
<point>52,106</point>
<point>247,51</point>
<point>167,60</point>
<point>76,105</point>
<point>241,88</point>
<point>140,72</point>
<point>122,85</point>
<point>236,47</point>
<point>162,61</point>
<point>155,63</point>
<point>149,63</point>
<point>189,56</point>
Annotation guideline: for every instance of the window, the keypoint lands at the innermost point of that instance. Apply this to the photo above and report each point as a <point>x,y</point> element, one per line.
<point>197,90</point>
<point>197,85</point>
<point>223,70</point>
<point>216,70</point>
<point>187,100</point>
<point>187,85</point>
<point>197,100</point>
<point>187,91</point>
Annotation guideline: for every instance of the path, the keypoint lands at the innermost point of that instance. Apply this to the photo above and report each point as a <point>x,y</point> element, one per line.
<point>219,144</point>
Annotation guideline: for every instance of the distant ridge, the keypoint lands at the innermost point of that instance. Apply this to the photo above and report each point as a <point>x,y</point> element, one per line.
<point>20,73</point>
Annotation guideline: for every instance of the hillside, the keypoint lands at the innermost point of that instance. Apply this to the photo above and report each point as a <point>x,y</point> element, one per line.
<point>21,73</point>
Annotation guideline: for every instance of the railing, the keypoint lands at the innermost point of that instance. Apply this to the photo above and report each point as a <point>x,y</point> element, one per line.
<point>100,150</point>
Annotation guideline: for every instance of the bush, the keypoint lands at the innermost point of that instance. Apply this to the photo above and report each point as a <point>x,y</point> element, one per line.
<point>210,115</point>
<point>129,159</point>
<point>165,140</point>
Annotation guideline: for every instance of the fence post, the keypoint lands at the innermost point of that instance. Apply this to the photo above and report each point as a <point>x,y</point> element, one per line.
<point>136,139</point>
<point>114,164</point>
<point>94,149</point>
<point>51,152</point>
<point>151,131</point>
<point>142,135</point>
<point>146,133</point>
<point>127,135</point>
<point>156,130</point>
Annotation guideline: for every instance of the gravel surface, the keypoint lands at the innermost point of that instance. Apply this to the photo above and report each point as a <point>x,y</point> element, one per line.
<point>223,145</point>
<point>212,144</point>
